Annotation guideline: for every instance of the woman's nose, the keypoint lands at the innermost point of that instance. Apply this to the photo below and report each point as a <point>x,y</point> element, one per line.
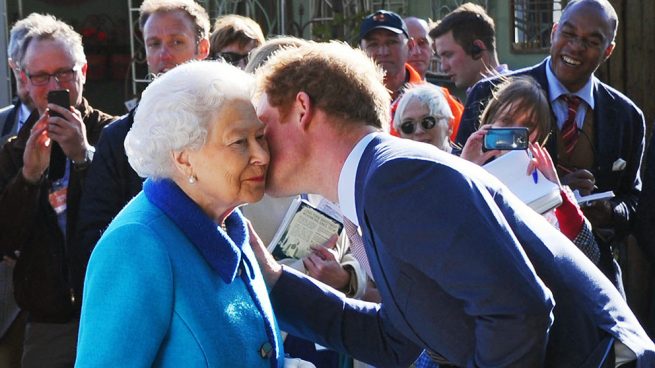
<point>259,155</point>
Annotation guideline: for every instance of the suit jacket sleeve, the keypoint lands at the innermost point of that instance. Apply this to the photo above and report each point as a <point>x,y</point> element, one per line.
<point>446,226</point>
<point>629,186</point>
<point>319,313</point>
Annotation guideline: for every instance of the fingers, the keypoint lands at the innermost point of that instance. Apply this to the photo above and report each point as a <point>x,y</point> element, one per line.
<point>582,180</point>
<point>66,113</point>
<point>325,254</point>
<point>332,242</point>
<point>271,269</point>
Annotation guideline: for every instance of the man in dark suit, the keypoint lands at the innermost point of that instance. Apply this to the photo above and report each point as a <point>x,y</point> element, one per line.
<point>175,32</point>
<point>464,268</point>
<point>13,117</point>
<point>606,150</point>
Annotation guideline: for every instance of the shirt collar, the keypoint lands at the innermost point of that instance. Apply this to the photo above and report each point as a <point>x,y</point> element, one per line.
<point>24,112</point>
<point>221,250</point>
<point>557,89</point>
<point>346,186</point>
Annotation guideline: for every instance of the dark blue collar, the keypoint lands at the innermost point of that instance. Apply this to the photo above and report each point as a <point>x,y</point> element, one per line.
<point>222,251</point>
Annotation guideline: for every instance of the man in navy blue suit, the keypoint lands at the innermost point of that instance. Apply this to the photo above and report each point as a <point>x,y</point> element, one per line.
<point>465,270</point>
<point>608,130</point>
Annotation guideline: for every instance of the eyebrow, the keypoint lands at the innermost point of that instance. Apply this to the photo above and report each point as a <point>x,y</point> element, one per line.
<point>593,34</point>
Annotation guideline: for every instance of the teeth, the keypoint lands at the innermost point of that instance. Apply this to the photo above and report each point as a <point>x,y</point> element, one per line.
<point>568,60</point>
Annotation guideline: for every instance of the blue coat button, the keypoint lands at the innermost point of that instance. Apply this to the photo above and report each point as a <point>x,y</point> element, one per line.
<point>266,350</point>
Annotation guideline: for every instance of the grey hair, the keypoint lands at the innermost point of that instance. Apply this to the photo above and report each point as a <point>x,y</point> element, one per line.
<point>177,111</point>
<point>430,96</point>
<point>47,27</point>
<point>20,29</point>
<point>194,11</point>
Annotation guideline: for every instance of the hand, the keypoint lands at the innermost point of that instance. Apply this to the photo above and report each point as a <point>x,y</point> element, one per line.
<point>581,179</point>
<point>69,131</point>
<point>297,363</point>
<point>599,214</point>
<point>542,161</point>
<point>472,150</point>
<point>271,270</point>
<point>11,262</point>
<point>322,264</point>
<point>36,156</point>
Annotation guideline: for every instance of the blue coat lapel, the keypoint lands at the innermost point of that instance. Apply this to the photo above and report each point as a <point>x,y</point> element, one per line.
<point>222,251</point>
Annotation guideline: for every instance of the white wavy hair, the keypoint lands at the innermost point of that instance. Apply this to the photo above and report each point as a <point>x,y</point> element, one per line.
<point>430,96</point>
<point>178,109</point>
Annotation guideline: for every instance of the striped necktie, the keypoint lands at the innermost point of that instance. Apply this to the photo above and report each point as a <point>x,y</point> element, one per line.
<point>357,245</point>
<point>570,128</point>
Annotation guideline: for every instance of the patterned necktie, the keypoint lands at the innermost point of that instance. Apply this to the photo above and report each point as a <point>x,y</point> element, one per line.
<point>570,128</point>
<point>357,245</point>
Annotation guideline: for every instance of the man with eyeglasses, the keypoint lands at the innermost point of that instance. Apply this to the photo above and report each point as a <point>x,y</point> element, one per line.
<point>233,38</point>
<point>385,38</point>
<point>39,211</point>
<point>174,31</point>
<point>597,141</point>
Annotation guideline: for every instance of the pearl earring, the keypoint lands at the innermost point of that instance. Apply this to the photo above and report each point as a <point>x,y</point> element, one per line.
<point>192,179</point>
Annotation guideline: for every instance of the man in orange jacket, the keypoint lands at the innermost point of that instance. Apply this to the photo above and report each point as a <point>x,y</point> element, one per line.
<point>384,37</point>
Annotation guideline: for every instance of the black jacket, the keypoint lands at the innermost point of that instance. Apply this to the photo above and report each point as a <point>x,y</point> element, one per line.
<point>29,224</point>
<point>110,184</point>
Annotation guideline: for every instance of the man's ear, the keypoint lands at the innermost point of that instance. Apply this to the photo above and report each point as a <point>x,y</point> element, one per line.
<point>203,49</point>
<point>85,67</point>
<point>609,50</point>
<point>305,109</point>
<point>552,32</point>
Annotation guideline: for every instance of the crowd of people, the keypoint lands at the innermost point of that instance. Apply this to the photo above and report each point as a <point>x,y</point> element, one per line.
<point>150,246</point>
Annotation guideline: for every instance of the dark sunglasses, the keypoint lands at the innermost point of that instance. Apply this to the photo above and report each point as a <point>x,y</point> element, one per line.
<point>232,57</point>
<point>409,126</point>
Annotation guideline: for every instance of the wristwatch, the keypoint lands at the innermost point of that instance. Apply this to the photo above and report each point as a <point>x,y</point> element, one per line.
<point>86,162</point>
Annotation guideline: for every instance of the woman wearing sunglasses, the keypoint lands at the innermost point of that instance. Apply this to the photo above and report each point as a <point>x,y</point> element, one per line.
<point>423,115</point>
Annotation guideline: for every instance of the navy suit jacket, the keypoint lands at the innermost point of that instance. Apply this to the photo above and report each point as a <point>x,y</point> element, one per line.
<point>465,269</point>
<point>619,134</point>
<point>8,120</point>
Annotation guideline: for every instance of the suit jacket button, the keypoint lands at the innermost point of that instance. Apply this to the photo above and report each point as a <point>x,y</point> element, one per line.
<point>266,350</point>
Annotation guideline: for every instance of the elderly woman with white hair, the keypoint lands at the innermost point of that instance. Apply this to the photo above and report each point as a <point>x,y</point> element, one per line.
<point>423,115</point>
<point>173,281</point>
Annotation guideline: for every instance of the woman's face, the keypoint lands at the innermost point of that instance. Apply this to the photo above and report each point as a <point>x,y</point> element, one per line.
<point>507,117</point>
<point>412,120</point>
<point>231,166</point>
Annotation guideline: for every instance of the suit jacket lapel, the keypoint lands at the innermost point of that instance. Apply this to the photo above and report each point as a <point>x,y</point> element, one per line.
<point>608,129</point>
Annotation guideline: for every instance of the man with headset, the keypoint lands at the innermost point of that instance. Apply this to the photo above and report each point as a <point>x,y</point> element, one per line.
<point>465,41</point>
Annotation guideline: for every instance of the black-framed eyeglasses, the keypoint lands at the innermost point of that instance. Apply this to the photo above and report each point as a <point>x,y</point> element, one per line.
<point>409,126</point>
<point>232,57</point>
<point>41,79</point>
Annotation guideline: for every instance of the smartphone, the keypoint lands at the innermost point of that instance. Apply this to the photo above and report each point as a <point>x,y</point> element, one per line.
<point>57,166</point>
<point>506,139</point>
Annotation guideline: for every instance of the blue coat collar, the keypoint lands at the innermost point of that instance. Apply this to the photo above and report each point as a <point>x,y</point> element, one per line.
<point>222,251</point>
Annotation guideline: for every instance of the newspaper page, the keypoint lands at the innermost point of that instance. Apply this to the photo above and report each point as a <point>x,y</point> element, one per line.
<point>306,227</point>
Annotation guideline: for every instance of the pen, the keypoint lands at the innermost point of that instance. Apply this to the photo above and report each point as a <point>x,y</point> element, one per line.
<point>535,176</point>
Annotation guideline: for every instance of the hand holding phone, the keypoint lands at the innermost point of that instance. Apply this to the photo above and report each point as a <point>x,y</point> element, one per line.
<point>506,139</point>
<point>57,166</point>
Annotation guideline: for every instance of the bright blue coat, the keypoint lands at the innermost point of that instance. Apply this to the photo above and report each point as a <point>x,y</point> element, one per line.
<point>166,287</point>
